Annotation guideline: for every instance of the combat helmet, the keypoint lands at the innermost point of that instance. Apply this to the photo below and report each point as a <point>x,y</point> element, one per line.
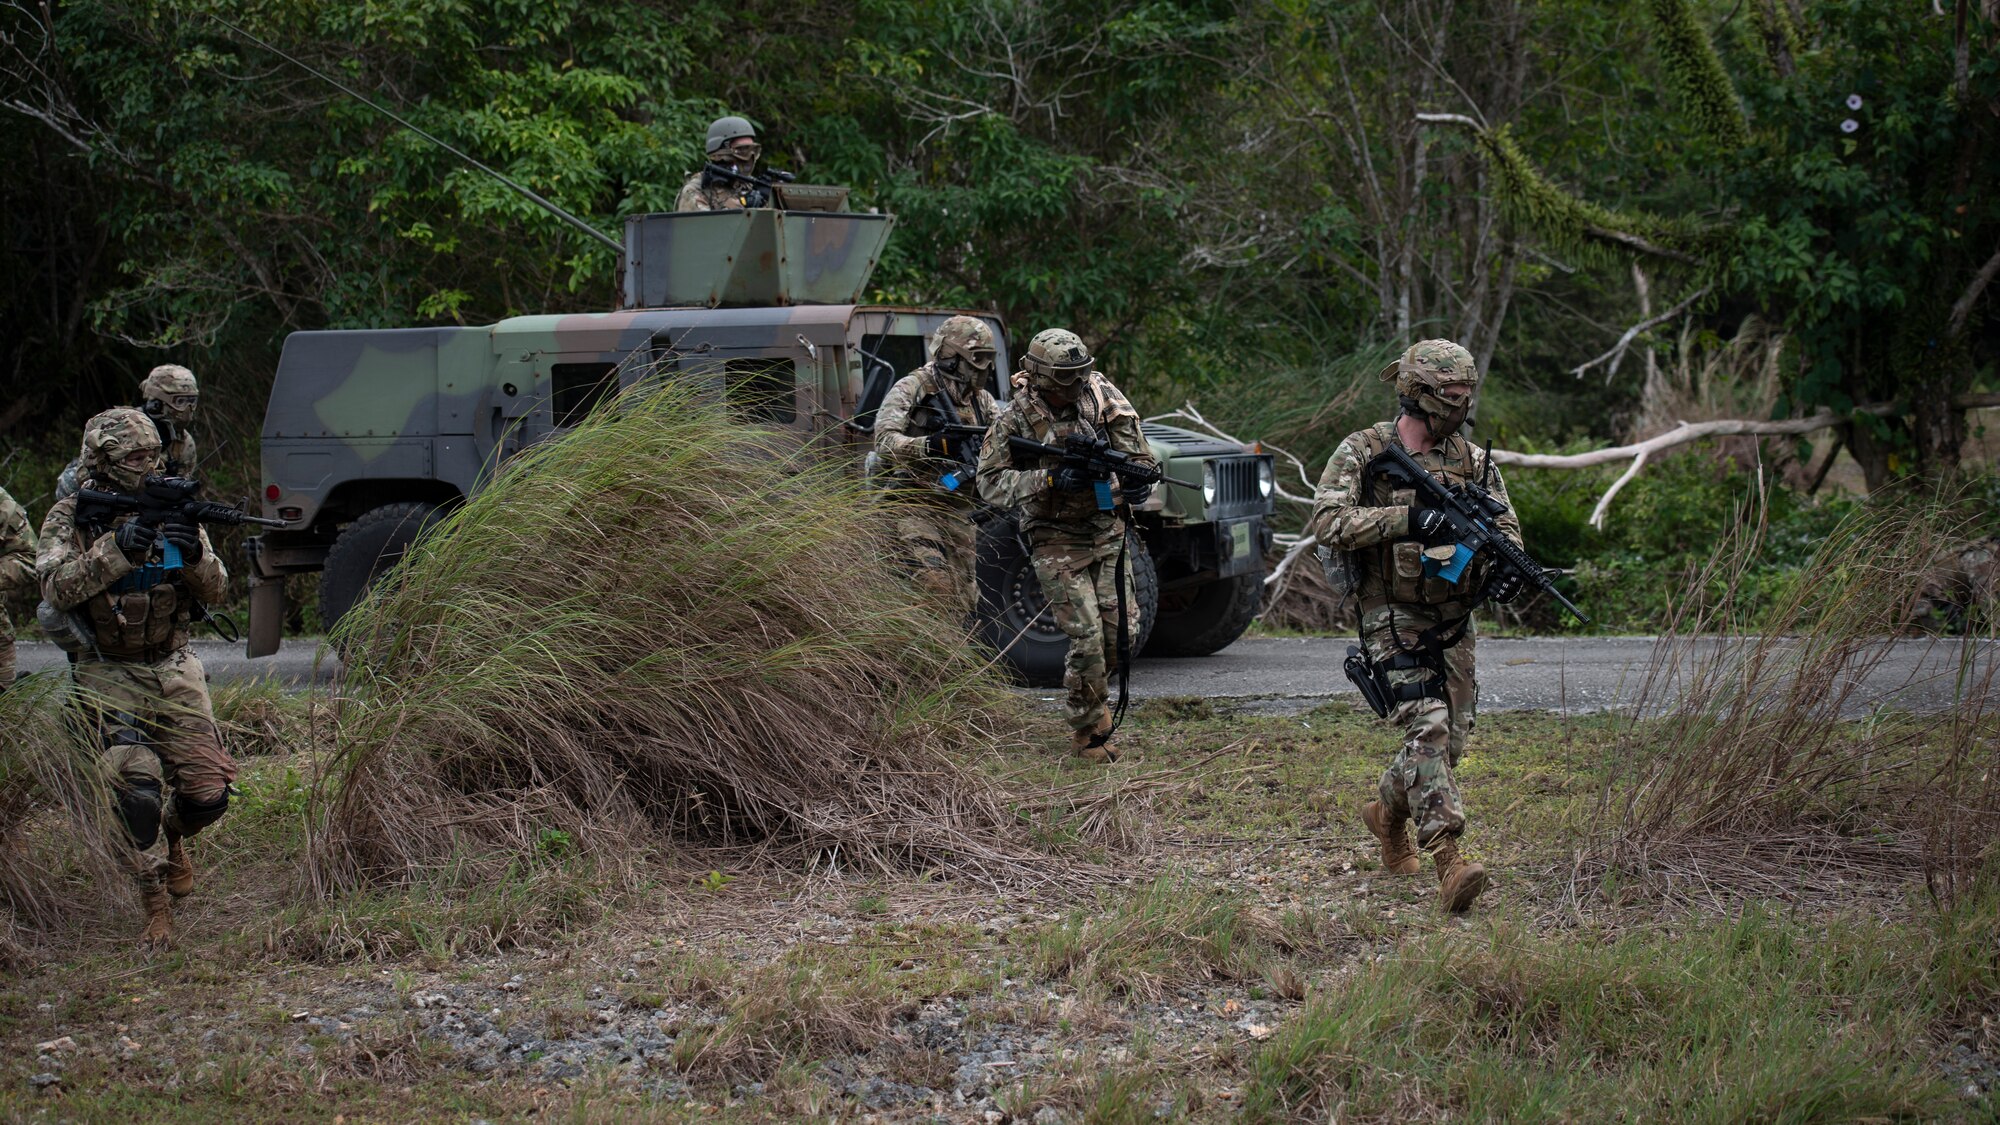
<point>169,392</point>
<point>725,129</point>
<point>1425,369</point>
<point>1056,357</point>
<point>109,438</point>
<point>962,348</point>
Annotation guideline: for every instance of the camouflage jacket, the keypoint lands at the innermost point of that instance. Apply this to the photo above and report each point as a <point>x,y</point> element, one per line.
<point>1101,410</point>
<point>906,417</point>
<point>17,558</point>
<point>177,458</point>
<point>83,569</point>
<point>721,197</point>
<point>1375,528</point>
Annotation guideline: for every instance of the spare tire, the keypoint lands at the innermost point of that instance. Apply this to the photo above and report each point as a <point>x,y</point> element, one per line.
<point>364,552</point>
<point>1014,617</point>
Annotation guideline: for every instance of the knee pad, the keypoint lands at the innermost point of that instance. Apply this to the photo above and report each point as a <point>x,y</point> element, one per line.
<point>186,817</point>
<point>137,803</point>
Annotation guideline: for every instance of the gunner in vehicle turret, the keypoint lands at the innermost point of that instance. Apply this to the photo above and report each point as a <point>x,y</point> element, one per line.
<point>732,146</point>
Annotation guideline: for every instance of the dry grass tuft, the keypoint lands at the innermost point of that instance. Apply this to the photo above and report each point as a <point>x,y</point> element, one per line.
<point>661,627</point>
<point>1749,765</point>
<point>56,842</point>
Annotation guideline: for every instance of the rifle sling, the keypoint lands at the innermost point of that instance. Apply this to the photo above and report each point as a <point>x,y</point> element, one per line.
<point>1124,648</point>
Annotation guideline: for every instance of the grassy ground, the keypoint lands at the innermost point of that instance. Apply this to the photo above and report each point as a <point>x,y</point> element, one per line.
<point>1246,959</point>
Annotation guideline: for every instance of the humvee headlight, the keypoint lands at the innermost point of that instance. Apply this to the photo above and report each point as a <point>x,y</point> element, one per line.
<point>1208,489</point>
<point>1266,480</point>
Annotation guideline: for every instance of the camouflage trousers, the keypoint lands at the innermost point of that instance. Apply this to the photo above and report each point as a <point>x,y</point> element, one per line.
<point>940,545</point>
<point>1418,784</point>
<point>1078,577</point>
<point>166,703</point>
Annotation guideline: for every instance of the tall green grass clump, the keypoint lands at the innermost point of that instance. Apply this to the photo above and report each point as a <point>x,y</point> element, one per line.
<point>660,629</point>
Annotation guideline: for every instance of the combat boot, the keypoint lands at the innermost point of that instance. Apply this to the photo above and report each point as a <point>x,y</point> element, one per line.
<point>1459,881</point>
<point>1399,856</point>
<point>159,931</point>
<point>180,869</point>
<point>1079,743</point>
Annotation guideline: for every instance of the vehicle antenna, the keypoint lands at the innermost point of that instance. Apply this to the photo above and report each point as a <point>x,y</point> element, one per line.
<point>530,193</point>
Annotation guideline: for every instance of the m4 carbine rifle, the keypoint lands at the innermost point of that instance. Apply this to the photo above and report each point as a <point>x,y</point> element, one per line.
<point>162,500</point>
<point>1095,456</point>
<point>1471,512</point>
<point>758,191</point>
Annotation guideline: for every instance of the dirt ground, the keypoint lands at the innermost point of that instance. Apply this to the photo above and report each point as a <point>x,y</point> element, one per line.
<point>1237,954</point>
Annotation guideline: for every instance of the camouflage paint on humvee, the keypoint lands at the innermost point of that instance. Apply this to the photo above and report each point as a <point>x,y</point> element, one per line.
<point>370,430</point>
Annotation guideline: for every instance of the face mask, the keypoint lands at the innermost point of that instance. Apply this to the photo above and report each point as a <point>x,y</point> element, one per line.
<point>129,478</point>
<point>1442,416</point>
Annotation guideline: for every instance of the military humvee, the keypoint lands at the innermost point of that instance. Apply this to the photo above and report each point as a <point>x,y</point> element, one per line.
<point>370,433</point>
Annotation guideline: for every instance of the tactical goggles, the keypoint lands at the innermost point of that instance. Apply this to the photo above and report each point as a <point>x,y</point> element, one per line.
<point>744,151</point>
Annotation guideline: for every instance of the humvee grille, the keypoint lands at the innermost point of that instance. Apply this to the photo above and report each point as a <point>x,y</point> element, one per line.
<point>1235,481</point>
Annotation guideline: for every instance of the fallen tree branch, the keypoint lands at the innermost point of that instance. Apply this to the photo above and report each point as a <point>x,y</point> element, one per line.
<point>1722,427</point>
<point>1679,435</point>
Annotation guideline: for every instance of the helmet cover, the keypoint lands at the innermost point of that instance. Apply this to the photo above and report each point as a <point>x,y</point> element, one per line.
<point>962,348</point>
<point>1056,357</point>
<point>174,388</point>
<point>111,437</point>
<point>1428,367</point>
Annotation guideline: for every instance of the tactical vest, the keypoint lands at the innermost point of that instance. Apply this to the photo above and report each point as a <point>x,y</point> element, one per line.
<point>1393,571</point>
<point>926,419</point>
<point>923,420</point>
<point>1095,408</point>
<point>145,615</point>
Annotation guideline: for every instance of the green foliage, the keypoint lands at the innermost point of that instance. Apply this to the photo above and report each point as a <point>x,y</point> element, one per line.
<point>1569,223</point>
<point>1690,60</point>
<point>1762,1018</point>
<point>1661,530</point>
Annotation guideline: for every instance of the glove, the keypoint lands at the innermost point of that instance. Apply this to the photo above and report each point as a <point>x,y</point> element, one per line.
<point>1071,478</point>
<point>136,539</point>
<point>1136,491</point>
<point>1504,588</point>
<point>940,446</point>
<point>1429,526</point>
<point>187,537</point>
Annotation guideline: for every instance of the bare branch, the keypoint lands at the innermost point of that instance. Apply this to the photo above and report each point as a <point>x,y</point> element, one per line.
<point>1451,119</point>
<point>1962,308</point>
<point>1617,353</point>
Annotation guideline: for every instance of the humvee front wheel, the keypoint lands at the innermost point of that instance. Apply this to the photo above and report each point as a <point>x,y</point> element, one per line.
<point>1198,620</point>
<point>1015,619</point>
<point>364,552</point>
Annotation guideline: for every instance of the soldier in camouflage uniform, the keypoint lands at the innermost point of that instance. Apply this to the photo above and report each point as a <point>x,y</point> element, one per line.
<point>732,143</point>
<point>1417,627</point>
<point>929,473</point>
<point>145,689</point>
<point>17,575</point>
<point>168,395</point>
<point>1075,541</point>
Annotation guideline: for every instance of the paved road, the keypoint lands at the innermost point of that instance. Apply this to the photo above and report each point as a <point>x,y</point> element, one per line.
<point>1542,673</point>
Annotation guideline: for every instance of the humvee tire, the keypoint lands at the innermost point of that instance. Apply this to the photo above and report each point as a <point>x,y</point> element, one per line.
<point>1207,618</point>
<point>1014,617</point>
<point>365,550</point>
